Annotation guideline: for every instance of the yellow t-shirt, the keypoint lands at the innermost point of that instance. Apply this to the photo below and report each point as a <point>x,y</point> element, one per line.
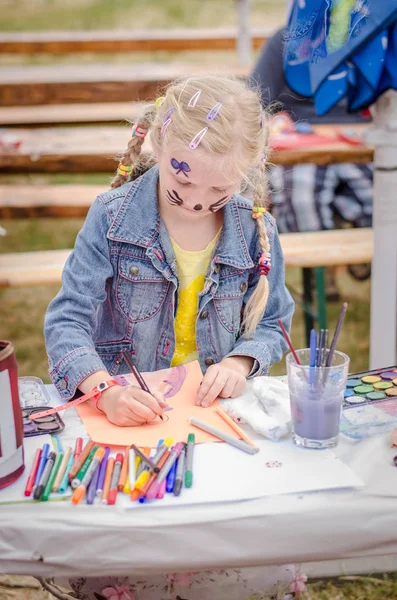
<point>192,268</point>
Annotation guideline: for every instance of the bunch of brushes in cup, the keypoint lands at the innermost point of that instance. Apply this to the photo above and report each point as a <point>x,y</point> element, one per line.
<point>320,355</point>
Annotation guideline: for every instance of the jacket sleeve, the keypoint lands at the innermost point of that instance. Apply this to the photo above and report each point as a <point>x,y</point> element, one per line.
<point>71,315</point>
<point>267,345</point>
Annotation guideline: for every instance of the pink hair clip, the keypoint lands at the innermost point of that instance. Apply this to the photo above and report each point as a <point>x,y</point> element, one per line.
<point>213,113</point>
<point>139,131</point>
<point>194,99</point>
<point>165,127</point>
<point>198,138</point>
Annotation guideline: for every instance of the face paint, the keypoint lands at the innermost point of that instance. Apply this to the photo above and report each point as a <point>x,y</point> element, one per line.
<point>181,167</point>
<point>174,198</point>
<point>198,207</point>
<point>218,205</point>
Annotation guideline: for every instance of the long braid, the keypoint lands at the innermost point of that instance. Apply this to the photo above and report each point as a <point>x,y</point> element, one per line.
<point>256,305</point>
<point>132,156</point>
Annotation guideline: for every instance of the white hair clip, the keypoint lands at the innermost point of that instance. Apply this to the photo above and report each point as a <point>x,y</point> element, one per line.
<point>165,127</point>
<point>194,99</point>
<point>213,113</point>
<point>198,138</point>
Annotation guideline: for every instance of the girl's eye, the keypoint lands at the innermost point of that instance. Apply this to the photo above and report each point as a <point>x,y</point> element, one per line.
<point>182,184</point>
<point>218,191</point>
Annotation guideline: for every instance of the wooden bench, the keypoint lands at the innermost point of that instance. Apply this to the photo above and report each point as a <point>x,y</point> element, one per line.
<point>92,150</point>
<point>65,84</point>
<point>153,40</point>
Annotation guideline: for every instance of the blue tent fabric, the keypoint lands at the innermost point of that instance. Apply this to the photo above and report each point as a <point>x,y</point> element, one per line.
<point>337,48</point>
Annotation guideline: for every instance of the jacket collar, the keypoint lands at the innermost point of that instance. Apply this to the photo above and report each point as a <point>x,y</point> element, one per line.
<point>138,222</point>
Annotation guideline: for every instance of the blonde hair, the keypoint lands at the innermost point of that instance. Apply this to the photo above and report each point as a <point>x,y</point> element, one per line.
<point>240,129</point>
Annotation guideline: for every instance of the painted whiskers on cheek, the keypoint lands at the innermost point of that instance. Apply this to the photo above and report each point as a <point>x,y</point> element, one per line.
<point>174,198</point>
<point>218,205</point>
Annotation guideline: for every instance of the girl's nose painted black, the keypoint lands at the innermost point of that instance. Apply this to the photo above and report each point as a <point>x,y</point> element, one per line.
<point>197,207</point>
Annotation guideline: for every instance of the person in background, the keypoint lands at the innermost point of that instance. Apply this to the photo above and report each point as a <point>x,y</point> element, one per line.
<point>310,197</point>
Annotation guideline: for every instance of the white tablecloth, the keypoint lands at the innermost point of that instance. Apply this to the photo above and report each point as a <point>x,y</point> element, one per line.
<point>343,531</point>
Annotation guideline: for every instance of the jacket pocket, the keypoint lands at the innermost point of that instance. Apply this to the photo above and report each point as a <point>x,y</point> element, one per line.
<point>111,355</point>
<point>140,288</point>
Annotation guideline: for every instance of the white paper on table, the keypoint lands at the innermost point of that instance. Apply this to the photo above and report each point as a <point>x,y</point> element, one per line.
<point>16,491</point>
<point>221,473</point>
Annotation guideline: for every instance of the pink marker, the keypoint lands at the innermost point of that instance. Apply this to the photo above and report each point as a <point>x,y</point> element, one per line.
<point>154,489</point>
<point>162,490</point>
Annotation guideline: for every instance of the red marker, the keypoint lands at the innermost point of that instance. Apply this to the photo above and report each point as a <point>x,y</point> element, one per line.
<point>118,463</point>
<point>78,448</point>
<point>33,472</point>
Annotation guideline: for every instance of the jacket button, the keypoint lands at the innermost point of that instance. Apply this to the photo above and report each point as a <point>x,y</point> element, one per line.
<point>209,361</point>
<point>118,361</point>
<point>204,315</point>
<point>217,269</point>
<point>243,286</point>
<point>63,385</point>
<point>134,270</point>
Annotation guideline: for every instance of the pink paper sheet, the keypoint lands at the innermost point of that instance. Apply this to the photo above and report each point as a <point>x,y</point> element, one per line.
<point>180,386</point>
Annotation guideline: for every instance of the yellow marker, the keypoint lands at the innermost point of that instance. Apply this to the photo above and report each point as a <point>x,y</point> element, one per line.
<point>126,488</point>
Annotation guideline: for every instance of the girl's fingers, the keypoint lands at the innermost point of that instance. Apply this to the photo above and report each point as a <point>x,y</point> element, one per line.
<point>229,387</point>
<point>146,399</point>
<point>214,390</point>
<point>206,384</point>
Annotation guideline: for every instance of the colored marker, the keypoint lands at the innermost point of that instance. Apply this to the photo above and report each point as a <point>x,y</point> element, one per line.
<point>222,436</point>
<point>234,426</point>
<point>65,481</point>
<point>61,470</point>
<point>118,463</point>
<point>162,476</point>
<point>171,479</point>
<point>131,468</point>
<point>33,472</point>
<point>47,490</point>
<point>180,472</point>
<point>76,481</point>
<point>80,459</point>
<point>58,447</point>
<point>145,458</point>
<point>91,490</point>
<point>124,471</point>
<point>313,350</point>
<point>43,460</point>
<point>162,490</point>
<point>191,439</point>
<point>86,480</point>
<point>44,476</point>
<point>143,491</point>
<point>126,488</point>
<point>102,471</point>
<point>108,479</point>
<point>78,447</point>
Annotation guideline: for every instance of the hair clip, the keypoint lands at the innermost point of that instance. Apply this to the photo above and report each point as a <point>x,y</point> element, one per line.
<point>165,126</point>
<point>139,131</point>
<point>213,113</point>
<point>124,170</point>
<point>159,101</point>
<point>168,113</point>
<point>264,157</point>
<point>198,138</point>
<point>265,263</point>
<point>194,99</point>
<point>258,211</point>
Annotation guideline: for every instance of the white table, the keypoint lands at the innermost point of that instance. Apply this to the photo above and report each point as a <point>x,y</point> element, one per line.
<point>331,533</point>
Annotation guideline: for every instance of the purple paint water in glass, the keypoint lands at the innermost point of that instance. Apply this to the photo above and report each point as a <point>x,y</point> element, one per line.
<point>316,408</point>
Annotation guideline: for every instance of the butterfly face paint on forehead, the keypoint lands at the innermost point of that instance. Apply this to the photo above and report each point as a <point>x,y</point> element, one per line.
<point>181,167</point>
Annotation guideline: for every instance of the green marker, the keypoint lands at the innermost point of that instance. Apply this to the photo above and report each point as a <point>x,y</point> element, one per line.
<point>77,480</point>
<point>189,460</point>
<point>51,479</point>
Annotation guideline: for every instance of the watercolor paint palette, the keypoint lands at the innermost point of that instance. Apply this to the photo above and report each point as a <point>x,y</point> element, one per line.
<point>32,392</point>
<point>52,424</point>
<point>371,386</point>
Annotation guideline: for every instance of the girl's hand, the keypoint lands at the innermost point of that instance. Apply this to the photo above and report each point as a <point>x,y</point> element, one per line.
<point>226,379</point>
<point>128,406</point>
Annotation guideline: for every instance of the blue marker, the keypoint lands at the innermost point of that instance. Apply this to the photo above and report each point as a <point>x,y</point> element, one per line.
<point>65,481</point>
<point>313,350</point>
<point>43,460</point>
<point>171,478</point>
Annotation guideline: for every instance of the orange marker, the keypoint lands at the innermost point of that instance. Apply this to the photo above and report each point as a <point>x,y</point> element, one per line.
<point>81,460</point>
<point>108,478</point>
<point>234,426</point>
<point>134,495</point>
<point>124,471</point>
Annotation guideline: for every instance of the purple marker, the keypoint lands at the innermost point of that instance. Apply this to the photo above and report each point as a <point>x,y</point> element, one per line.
<point>102,472</point>
<point>92,486</point>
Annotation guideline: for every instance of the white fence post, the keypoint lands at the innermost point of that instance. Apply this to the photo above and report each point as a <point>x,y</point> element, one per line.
<point>244,42</point>
<point>383,330</point>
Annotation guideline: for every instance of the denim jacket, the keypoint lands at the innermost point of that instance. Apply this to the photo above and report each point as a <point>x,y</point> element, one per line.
<point>120,291</point>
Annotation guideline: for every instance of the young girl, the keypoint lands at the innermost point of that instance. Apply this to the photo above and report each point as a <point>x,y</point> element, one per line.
<point>176,266</point>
